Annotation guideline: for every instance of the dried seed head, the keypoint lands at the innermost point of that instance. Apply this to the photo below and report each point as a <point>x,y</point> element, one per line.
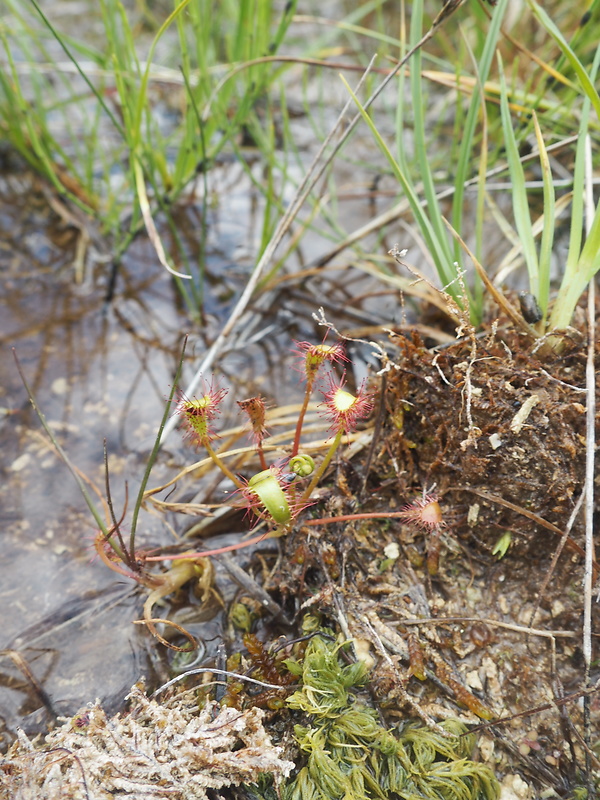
<point>255,408</point>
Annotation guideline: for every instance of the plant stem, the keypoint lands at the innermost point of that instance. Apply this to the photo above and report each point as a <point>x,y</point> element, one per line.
<point>222,466</point>
<point>301,415</point>
<point>349,517</point>
<point>261,455</point>
<point>319,472</point>
<point>215,552</point>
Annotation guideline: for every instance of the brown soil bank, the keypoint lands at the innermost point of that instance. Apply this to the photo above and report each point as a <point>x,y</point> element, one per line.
<point>472,617</point>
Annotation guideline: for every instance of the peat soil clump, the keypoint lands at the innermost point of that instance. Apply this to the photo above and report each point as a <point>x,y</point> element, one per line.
<point>478,616</point>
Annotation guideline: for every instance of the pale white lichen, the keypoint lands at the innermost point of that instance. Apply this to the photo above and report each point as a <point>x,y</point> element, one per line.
<point>155,750</point>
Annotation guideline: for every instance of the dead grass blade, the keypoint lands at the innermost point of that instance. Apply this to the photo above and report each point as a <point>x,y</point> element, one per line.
<point>590,454</point>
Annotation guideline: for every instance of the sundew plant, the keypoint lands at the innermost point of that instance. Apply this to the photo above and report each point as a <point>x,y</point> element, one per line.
<point>276,497</point>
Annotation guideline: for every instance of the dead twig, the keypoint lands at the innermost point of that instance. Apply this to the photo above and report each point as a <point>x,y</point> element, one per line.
<point>556,556</point>
<point>493,498</point>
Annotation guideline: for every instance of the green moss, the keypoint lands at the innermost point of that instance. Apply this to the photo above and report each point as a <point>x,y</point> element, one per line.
<point>350,756</point>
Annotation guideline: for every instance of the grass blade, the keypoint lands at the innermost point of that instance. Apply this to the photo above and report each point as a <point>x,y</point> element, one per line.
<point>436,248</point>
<point>549,221</point>
<point>141,100</point>
<point>519,192</point>
<point>153,455</point>
<point>70,466</point>
<point>586,82</point>
<point>443,256</point>
<point>581,265</point>
<point>73,60</point>
<point>484,66</point>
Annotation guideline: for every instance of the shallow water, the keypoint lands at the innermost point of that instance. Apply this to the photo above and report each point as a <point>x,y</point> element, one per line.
<point>102,371</point>
<point>98,372</point>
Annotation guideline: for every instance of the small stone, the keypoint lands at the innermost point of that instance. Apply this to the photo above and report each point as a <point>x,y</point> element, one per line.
<point>495,441</point>
<point>514,788</point>
<point>473,515</point>
<point>474,681</point>
<point>558,607</point>
<point>486,749</point>
<point>391,550</point>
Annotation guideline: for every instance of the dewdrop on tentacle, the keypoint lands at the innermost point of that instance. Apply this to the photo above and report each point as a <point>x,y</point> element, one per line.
<point>425,512</point>
<point>315,355</point>
<point>345,409</point>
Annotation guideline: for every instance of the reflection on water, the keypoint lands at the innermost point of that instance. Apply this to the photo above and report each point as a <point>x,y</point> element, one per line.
<point>87,643</point>
<point>97,372</point>
<point>103,371</point>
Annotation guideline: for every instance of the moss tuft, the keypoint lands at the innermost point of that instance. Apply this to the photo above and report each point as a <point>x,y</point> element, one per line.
<point>350,756</point>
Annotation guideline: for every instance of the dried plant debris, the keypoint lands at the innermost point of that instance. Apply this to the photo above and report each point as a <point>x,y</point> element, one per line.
<point>172,750</point>
<point>504,423</point>
<point>175,750</point>
<point>350,755</point>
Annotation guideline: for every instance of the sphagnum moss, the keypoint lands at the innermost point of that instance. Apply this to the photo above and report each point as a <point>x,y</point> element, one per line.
<point>350,755</point>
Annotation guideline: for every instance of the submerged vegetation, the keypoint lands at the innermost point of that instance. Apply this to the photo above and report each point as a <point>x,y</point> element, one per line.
<point>119,135</point>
